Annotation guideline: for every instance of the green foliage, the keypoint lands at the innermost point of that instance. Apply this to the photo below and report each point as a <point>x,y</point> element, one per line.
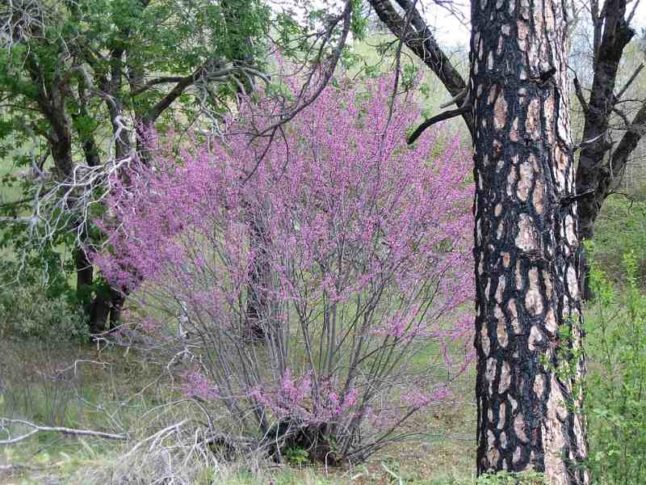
<point>616,381</point>
<point>296,455</point>
<point>359,25</point>
<point>33,308</point>
<point>621,229</point>
<point>26,311</point>
<point>73,71</point>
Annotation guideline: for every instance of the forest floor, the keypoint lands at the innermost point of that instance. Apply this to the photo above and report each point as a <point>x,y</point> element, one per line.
<point>115,390</point>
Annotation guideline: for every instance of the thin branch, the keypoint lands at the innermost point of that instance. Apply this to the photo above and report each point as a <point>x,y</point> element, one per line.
<point>436,119</point>
<point>579,94</point>
<point>57,429</point>
<point>455,99</point>
<point>622,115</point>
<point>632,12</point>
<point>346,16</point>
<point>622,91</point>
<point>155,82</point>
<point>635,131</point>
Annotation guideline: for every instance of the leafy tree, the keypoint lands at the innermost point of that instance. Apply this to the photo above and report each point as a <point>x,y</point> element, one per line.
<point>80,79</point>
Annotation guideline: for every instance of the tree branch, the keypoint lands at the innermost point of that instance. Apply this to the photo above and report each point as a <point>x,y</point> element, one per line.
<point>210,70</point>
<point>622,91</point>
<point>629,141</point>
<point>154,82</point>
<point>578,90</point>
<point>421,41</point>
<point>455,99</point>
<point>176,92</point>
<point>461,111</point>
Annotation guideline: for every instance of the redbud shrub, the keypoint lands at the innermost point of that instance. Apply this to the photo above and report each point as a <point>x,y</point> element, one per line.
<point>312,275</point>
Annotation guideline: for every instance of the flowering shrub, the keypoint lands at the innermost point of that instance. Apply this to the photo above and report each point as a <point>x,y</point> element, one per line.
<point>315,273</point>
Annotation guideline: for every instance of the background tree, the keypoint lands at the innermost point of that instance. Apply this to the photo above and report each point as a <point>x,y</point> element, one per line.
<point>613,121</point>
<point>83,81</point>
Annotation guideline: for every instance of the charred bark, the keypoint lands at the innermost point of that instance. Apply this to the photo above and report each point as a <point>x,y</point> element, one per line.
<point>528,317</point>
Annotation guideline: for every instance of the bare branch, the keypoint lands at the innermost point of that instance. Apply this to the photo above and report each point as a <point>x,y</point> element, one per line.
<point>632,12</point>
<point>579,95</point>
<point>36,428</point>
<point>422,42</point>
<point>455,99</point>
<point>634,75</point>
<point>436,119</point>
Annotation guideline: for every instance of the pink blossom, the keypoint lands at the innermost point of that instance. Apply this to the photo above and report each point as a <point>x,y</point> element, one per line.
<point>360,243</point>
<point>196,384</point>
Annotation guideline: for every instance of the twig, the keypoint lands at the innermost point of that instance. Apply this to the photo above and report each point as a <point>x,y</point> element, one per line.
<point>587,142</point>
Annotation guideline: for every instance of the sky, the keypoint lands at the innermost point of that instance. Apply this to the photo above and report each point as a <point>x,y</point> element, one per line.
<point>451,28</point>
<point>450,31</point>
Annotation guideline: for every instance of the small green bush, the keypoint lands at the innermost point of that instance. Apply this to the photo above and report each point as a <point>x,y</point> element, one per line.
<point>616,381</point>
<point>26,311</point>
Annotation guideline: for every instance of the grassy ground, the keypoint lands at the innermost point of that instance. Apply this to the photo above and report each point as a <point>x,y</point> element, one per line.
<point>117,391</point>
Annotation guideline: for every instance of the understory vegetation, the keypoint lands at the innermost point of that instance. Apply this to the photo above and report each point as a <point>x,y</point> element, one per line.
<point>125,390</point>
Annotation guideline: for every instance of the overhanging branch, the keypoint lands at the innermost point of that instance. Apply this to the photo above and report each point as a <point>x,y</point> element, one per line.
<point>461,111</point>
<point>419,38</point>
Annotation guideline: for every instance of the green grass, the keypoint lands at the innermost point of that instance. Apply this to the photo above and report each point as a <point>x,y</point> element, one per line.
<point>120,391</point>
<point>620,229</point>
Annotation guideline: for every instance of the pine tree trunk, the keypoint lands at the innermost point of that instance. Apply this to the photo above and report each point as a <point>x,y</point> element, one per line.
<point>528,316</point>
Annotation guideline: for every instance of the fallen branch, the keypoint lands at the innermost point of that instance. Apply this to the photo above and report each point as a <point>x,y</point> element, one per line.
<point>16,468</point>
<point>36,428</point>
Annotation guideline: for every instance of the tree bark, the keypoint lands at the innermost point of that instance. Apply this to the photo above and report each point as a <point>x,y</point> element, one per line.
<point>528,316</point>
<point>258,311</point>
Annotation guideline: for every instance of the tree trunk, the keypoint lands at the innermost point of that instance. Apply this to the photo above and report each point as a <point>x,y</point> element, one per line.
<point>259,308</point>
<point>594,175</point>
<point>528,316</point>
